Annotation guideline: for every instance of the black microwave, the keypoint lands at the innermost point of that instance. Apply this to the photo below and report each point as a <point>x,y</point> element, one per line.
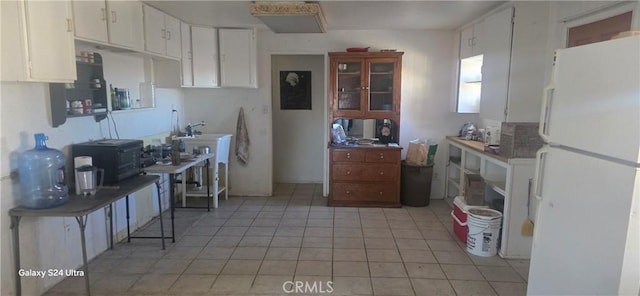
<point>119,158</point>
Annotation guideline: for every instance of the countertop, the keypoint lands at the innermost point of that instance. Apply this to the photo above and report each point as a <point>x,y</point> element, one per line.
<point>365,146</point>
<point>477,146</point>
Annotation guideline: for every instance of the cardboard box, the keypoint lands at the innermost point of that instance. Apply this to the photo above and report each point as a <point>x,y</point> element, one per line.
<point>473,189</point>
<point>519,140</point>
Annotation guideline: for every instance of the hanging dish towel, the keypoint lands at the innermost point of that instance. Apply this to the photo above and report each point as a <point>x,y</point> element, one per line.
<point>242,139</point>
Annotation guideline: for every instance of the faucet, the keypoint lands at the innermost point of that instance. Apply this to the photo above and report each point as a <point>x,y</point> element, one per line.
<point>190,126</point>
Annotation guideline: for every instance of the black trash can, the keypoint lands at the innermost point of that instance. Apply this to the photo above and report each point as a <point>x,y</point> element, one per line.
<point>415,184</point>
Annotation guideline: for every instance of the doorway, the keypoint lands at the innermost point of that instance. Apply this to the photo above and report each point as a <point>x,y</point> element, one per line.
<point>298,127</point>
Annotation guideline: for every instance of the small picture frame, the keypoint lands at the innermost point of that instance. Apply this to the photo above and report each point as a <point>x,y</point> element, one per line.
<point>295,90</point>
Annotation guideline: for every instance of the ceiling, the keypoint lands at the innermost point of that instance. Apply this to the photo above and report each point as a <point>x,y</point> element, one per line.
<point>340,15</point>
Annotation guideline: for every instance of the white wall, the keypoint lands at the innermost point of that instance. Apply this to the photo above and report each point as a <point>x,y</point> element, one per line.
<point>55,242</point>
<point>426,94</point>
<point>298,135</point>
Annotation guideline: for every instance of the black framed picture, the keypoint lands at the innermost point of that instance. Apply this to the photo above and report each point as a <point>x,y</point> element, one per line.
<point>295,90</point>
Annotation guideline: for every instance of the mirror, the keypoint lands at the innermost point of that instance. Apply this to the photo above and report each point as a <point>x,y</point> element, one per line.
<point>385,130</point>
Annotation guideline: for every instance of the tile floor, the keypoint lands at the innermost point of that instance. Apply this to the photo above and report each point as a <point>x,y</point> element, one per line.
<point>253,245</point>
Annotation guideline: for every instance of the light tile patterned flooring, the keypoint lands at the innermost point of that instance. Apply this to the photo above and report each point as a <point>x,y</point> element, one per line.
<point>253,245</point>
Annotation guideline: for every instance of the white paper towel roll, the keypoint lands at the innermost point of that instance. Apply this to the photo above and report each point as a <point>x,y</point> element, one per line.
<point>79,161</point>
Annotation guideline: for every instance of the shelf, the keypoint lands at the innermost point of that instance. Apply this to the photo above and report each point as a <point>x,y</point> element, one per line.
<point>381,73</point>
<point>472,171</point>
<point>349,73</point>
<point>203,191</point>
<point>455,164</point>
<point>498,187</point>
<point>380,92</point>
<point>472,81</point>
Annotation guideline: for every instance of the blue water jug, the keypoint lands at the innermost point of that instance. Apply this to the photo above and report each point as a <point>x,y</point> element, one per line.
<point>42,176</point>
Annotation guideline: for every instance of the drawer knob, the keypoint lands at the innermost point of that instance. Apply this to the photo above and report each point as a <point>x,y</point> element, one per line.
<point>381,173</point>
<point>380,192</point>
<point>348,154</point>
<point>348,172</point>
<point>348,192</point>
<point>381,155</point>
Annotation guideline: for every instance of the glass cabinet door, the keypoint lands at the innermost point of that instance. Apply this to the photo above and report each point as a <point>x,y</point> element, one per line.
<point>381,86</point>
<point>349,85</point>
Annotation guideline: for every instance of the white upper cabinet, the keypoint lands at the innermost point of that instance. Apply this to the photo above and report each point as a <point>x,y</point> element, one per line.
<point>172,36</point>
<point>187,55</point>
<point>37,41</point>
<point>238,58</point>
<point>205,56</point>
<point>162,33</point>
<point>471,40</point>
<point>495,66</point>
<point>90,20</point>
<point>125,23</point>
<point>111,22</point>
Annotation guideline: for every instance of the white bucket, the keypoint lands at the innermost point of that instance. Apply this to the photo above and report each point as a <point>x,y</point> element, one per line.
<point>484,230</point>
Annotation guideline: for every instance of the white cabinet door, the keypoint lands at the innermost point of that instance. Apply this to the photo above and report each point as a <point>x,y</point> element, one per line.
<point>90,20</point>
<point>172,36</point>
<point>205,56</point>
<point>51,47</point>
<point>187,58</point>
<point>154,31</point>
<point>238,58</point>
<point>466,47</point>
<point>125,23</point>
<point>496,65</point>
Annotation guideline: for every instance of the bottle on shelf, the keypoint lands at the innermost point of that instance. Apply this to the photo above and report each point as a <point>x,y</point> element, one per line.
<point>115,102</point>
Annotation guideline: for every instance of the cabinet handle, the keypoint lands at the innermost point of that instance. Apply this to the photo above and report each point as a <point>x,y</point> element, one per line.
<point>473,41</point>
<point>380,192</point>
<point>540,162</point>
<point>469,42</point>
<point>381,173</point>
<point>69,25</point>
<point>169,35</point>
<point>104,14</point>
<point>348,192</point>
<point>114,16</point>
<point>164,34</point>
<point>545,115</point>
<point>348,172</point>
<point>381,155</point>
<point>348,154</point>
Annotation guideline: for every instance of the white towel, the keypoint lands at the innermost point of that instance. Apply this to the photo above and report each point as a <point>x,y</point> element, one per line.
<point>242,139</point>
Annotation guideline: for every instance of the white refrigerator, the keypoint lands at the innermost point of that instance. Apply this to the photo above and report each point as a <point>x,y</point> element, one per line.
<point>587,230</point>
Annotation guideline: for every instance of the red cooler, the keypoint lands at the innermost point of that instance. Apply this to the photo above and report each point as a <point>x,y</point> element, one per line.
<point>459,215</point>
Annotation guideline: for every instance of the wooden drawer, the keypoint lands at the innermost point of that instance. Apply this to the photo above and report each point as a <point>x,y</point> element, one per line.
<point>386,156</point>
<point>347,155</point>
<point>365,192</point>
<point>364,172</point>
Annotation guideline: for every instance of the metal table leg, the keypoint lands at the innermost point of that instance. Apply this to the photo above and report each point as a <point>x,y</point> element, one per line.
<point>207,164</point>
<point>172,193</point>
<point>111,226</point>
<point>15,230</point>
<point>128,227</point>
<point>160,211</point>
<point>82,222</point>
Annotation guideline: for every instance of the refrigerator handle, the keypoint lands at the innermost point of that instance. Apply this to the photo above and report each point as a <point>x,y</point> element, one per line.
<point>543,128</point>
<point>540,159</point>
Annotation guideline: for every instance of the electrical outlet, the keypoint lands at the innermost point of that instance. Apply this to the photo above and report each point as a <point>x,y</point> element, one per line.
<point>435,176</point>
<point>265,109</point>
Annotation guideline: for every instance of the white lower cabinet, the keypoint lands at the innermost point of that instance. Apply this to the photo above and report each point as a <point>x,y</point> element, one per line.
<point>37,41</point>
<point>238,58</point>
<point>507,180</point>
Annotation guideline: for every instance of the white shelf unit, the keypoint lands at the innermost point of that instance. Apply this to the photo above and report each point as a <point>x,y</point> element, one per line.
<point>506,179</point>
<point>219,144</point>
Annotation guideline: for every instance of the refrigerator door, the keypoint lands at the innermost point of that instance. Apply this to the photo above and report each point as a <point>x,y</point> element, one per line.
<point>586,231</point>
<point>593,103</point>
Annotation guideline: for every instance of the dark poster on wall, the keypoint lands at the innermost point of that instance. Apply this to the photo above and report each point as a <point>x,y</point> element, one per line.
<point>295,90</point>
